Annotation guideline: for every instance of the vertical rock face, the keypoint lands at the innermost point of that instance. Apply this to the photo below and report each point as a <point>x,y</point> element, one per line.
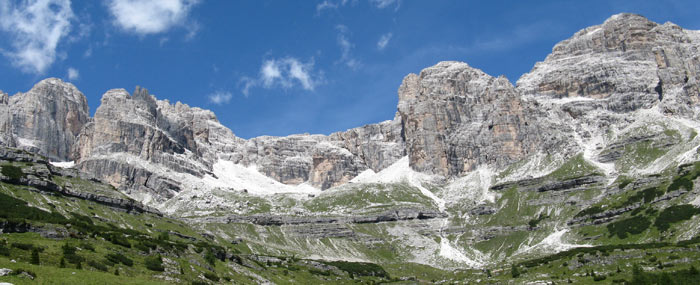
<point>628,60</point>
<point>47,119</point>
<point>456,117</point>
<point>134,141</point>
<point>376,145</point>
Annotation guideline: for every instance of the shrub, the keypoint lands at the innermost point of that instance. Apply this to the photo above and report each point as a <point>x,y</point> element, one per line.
<point>679,182</point>
<point>359,268</point>
<point>624,182</point>
<point>87,246</point>
<point>11,171</point>
<point>119,258</point>
<point>35,257</point>
<point>154,263</point>
<point>98,265</point>
<point>589,211</point>
<point>118,239</point>
<point>23,246</point>
<point>633,225</point>
<point>211,276</point>
<point>210,258</point>
<point>68,249</point>
<point>15,209</point>
<point>674,214</point>
<point>164,236</point>
<point>3,248</point>
<point>647,196</point>
<point>514,272</point>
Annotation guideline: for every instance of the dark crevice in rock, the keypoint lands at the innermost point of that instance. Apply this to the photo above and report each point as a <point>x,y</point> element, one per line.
<point>660,89</point>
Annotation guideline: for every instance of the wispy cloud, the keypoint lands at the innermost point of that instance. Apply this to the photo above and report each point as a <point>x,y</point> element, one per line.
<point>383,41</point>
<point>326,5</point>
<point>331,5</point>
<point>285,73</point>
<point>381,4</point>
<point>34,30</point>
<point>73,74</point>
<point>145,17</point>
<point>346,48</point>
<point>220,97</point>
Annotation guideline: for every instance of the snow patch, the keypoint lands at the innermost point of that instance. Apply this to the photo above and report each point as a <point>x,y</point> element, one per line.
<point>63,164</point>
<point>551,243</point>
<point>239,177</point>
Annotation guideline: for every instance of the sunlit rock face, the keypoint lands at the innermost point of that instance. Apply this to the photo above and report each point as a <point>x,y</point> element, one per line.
<point>46,119</point>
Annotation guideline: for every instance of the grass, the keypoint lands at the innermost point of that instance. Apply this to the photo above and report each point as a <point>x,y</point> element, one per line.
<point>368,198</point>
<point>575,167</point>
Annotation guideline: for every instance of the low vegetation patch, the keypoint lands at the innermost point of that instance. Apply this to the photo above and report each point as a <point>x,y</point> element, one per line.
<point>360,268</point>
<point>11,171</point>
<point>634,225</point>
<point>675,214</point>
<point>154,263</point>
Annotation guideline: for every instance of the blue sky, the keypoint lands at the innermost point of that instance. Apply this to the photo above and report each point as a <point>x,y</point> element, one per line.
<point>285,67</point>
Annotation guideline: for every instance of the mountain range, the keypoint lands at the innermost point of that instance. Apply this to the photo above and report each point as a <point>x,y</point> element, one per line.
<point>595,149</point>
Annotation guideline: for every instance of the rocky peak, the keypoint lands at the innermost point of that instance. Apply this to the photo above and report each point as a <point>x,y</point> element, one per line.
<point>628,60</point>
<point>456,117</point>
<point>47,118</point>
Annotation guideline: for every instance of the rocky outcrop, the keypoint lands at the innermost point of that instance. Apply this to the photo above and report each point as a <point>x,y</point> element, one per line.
<point>46,119</point>
<point>456,118</point>
<point>39,174</point>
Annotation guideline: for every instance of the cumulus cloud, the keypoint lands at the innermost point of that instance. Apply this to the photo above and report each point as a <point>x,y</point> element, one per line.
<point>145,17</point>
<point>286,73</point>
<point>346,48</point>
<point>73,74</point>
<point>383,41</point>
<point>220,97</point>
<point>34,30</point>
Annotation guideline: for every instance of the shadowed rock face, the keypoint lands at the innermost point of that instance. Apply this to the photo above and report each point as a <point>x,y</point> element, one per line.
<point>46,119</point>
<point>451,118</point>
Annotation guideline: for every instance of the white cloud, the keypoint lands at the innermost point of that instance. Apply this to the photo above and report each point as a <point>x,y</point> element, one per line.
<point>220,97</point>
<point>152,16</point>
<point>73,74</point>
<point>34,30</point>
<point>332,5</point>
<point>325,5</point>
<point>381,4</point>
<point>383,41</point>
<point>286,73</point>
<point>346,48</point>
